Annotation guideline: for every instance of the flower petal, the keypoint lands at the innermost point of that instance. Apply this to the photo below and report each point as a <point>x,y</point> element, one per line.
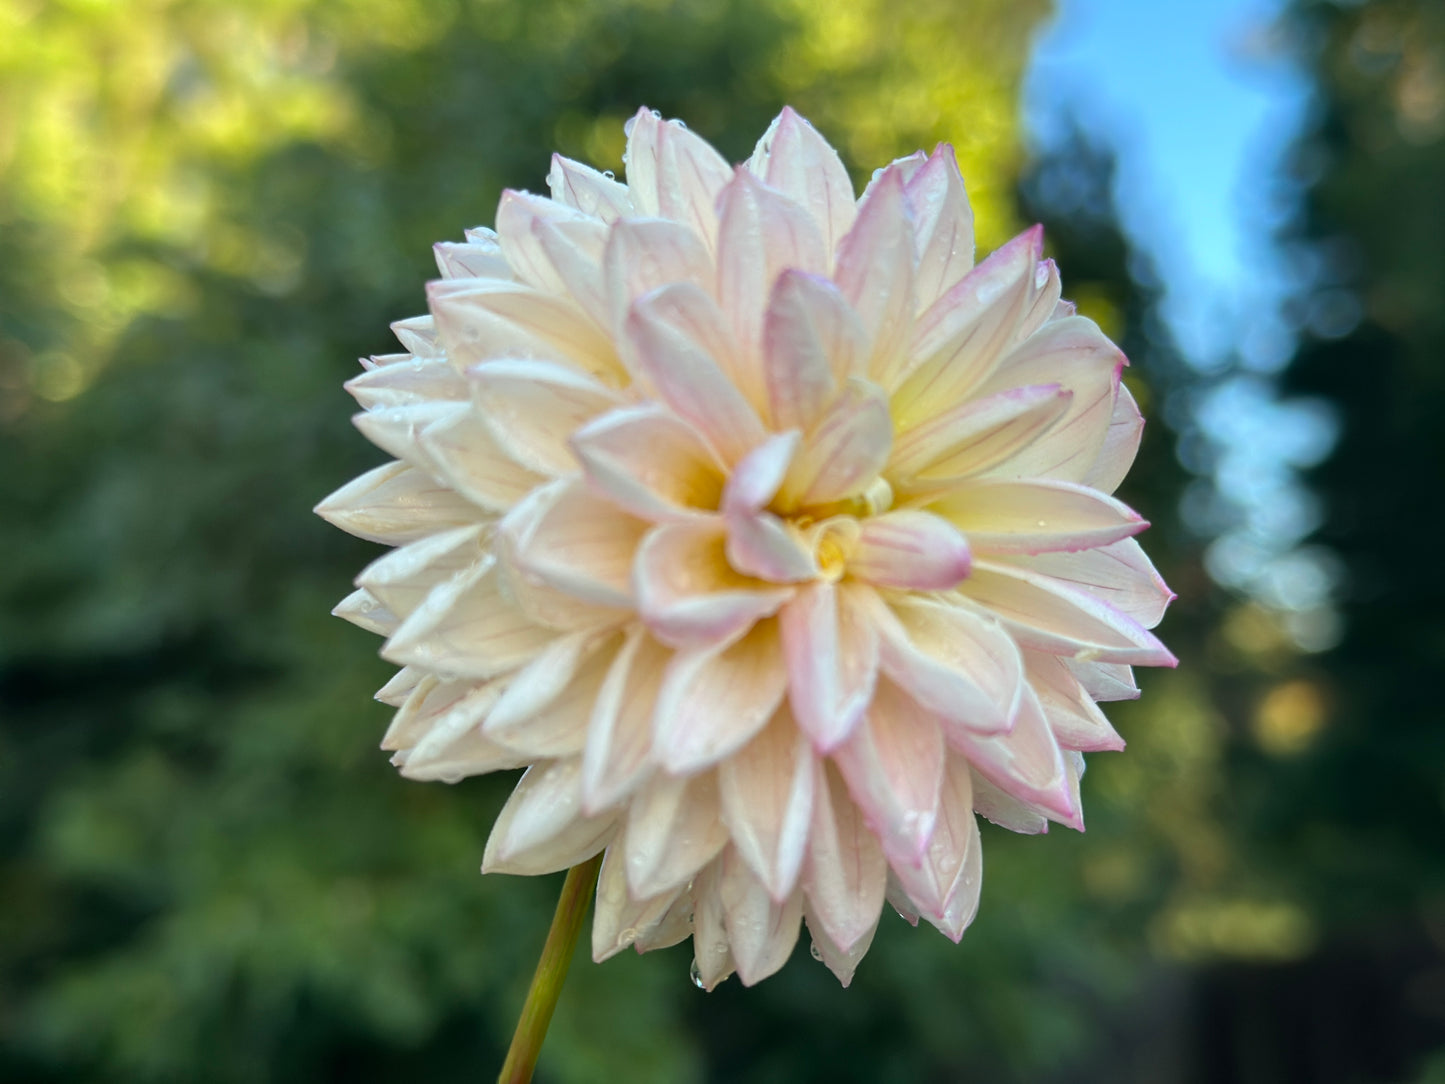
<point>411,380</point>
<point>687,593</point>
<point>454,747</point>
<point>951,857</point>
<point>767,802</point>
<point>617,758</point>
<point>759,543</point>
<point>943,223</point>
<point>1119,574</point>
<point>581,544</point>
<point>403,578</point>
<point>478,257</point>
<point>517,213</point>
<point>395,504</point>
<point>761,234</point>
<point>963,337</point>
<point>465,454</point>
<point>1121,443</point>
<point>542,828</point>
<point>467,628</point>
<point>646,460</point>
<point>1104,681</point>
<point>893,764</point>
<point>584,189</point>
<point>846,873</point>
<point>761,931</point>
<point>484,319</point>
<point>1036,516</point>
<point>546,706</point>
<point>1027,764</point>
<point>714,698</point>
<point>1049,615</point>
<point>645,254</point>
<point>911,549</point>
<point>712,958</point>
<point>875,273</point>
<point>803,167</point>
<point>845,450</point>
<point>842,962</point>
<point>957,664</point>
<point>690,176</point>
<point>1006,811</point>
<point>1072,715</point>
<point>674,828</point>
<point>365,611</point>
<point>812,342</point>
<point>674,341</point>
<point>533,407</point>
<point>831,649</point>
<point>640,158</point>
<point>618,918</point>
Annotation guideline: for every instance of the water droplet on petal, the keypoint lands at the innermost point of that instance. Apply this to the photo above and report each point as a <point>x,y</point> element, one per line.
<point>814,951</point>
<point>695,973</point>
<point>609,175</point>
<point>680,123</point>
<point>656,113</point>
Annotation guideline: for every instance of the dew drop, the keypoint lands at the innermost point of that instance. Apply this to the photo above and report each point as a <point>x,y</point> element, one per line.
<point>627,937</point>
<point>656,113</point>
<point>679,123</point>
<point>1042,523</point>
<point>815,952</point>
<point>695,973</point>
<point>609,175</point>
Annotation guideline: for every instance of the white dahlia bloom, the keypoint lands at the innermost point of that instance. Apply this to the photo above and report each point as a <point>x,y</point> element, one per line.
<point>768,532</point>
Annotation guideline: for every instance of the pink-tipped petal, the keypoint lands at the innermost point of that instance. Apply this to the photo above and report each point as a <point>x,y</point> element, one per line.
<point>582,545</point>
<point>934,881</point>
<point>1050,615</point>
<point>479,259</point>
<point>1072,715</point>
<point>762,233</point>
<point>645,254</point>
<point>875,273</point>
<point>1036,516</point>
<point>533,408</point>
<point>516,214</point>
<point>831,650</point>
<point>1005,810</point>
<point>893,764</point>
<point>767,802</point>
<point>845,450</point>
<point>759,543</point>
<point>690,176</point>
<point>911,549</point>
<point>647,461</point>
<point>1121,443</point>
<point>714,699</point>
<point>1120,574</point>
<point>812,342</point>
<point>846,873</point>
<point>943,222</point>
<point>674,338</point>
<point>689,595</point>
<point>584,189</point>
<point>957,664</point>
<point>1028,764</point>
<point>1104,681</point>
<point>803,167</point>
<point>641,157</point>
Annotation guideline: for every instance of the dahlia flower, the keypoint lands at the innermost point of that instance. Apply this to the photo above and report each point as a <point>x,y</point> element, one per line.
<point>766,530</point>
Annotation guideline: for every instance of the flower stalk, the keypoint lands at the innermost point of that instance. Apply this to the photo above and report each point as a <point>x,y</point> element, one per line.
<point>551,972</point>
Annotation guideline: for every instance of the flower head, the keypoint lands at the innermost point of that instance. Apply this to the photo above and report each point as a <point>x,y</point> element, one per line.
<point>770,533</point>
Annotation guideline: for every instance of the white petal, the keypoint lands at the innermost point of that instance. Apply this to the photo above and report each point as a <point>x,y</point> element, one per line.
<point>534,407</point>
<point>584,189</point>
<point>674,828</point>
<point>846,873</point>
<point>759,543</point>
<point>418,334</point>
<point>1075,354</point>
<point>466,455</point>
<point>479,259</point>
<point>484,320</point>
<point>517,213</point>
<point>690,175</point>
<point>411,380</point>
<point>1120,574</point>
<point>842,962</point>
<point>761,234</point>
<point>767,802</point>
<point>645,254</point>
<point>1072,715</point>
<point>542,829</point>
<point>712,958</point>
<point>455,748</point>
<point>619,919</point>
<point>404,577</point>
<point>674,340</point>
<point>943,221</point>
<point>430,699</point>
<point>963,337</point>
<point>1027,764</point>
<point>893,764</point>
<point>402,684</point>
<point>581,545</point>
<point>875,273</point>
<point>687,593</point>
<point>957,664</point>
<point>1036,516</point>
<point>803,167</point>
<point>1005,810</point>
<point>619,736</point>
<point>1049,615</point>
<point>845,450</point>
<point>648,461</point>
<point>1104,681</point>
<point>831,649</point>
<point>577,250</point>
<point>812,342</point>
<point>546,706</point>
<point>974,436</point>
<point>641,160</point>
<point>911,549</point>
<point>366,611</point>
<point>467,628</point>
<point>1121,443</point>
<point>932,882</point>
<point>395,504</point>
<point>715,698</point>
<point>761,932</point>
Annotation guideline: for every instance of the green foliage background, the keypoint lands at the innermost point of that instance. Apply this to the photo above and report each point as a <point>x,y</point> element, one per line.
<point>207,870</point>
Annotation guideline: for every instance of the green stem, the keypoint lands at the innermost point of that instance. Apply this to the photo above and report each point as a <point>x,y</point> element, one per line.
<point>551,972</point>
